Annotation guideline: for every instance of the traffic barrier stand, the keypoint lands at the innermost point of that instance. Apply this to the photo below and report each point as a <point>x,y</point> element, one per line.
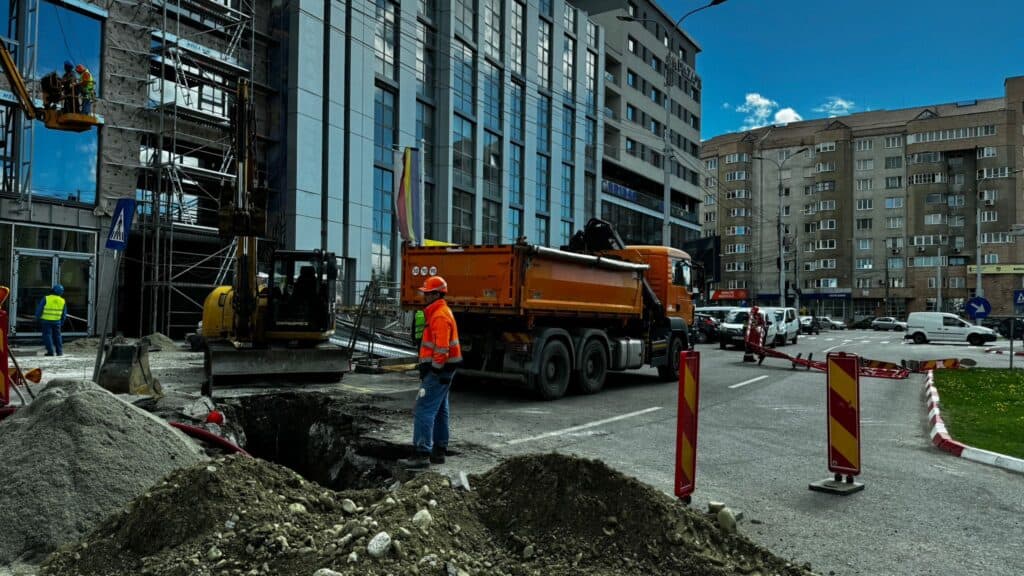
<point>869,368</point>
<point>924,366</point>
<point>686,425</point>
<point>5,376</point>
<point>843,407</point>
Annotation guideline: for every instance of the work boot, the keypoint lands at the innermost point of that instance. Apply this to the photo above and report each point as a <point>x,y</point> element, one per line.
<point>416,462</point>
<point>437,455</point>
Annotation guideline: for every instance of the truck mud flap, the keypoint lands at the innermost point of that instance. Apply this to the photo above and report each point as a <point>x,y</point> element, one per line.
<point>324,363</point>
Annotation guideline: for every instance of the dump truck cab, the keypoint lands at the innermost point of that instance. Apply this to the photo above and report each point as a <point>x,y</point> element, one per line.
<point>670,275</point>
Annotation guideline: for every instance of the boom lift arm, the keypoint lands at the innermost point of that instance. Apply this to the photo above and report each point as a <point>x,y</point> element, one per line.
<point>53,119</point>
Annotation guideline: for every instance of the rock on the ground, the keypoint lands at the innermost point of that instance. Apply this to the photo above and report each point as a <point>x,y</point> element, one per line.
<point>727,521</point>
<point>422,519</point>
<point>326,572</point>
<point>379,545</point>
<point>348,506</point>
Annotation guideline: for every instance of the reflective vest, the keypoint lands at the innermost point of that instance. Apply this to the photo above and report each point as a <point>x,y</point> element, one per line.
<point>419,324</point>
<point>88,85</point>
<point>440,344</point>
<point>53,309</point>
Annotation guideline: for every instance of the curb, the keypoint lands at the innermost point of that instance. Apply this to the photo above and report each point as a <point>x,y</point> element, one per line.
<point>943,441</point>
<point>1016,353</point>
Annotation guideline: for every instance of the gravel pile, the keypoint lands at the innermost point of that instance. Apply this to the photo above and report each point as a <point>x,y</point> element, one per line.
<point>530,516</point>
<point>71,458</point>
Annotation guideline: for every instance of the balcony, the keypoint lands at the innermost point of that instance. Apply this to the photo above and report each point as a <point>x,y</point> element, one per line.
<point>610,114</point>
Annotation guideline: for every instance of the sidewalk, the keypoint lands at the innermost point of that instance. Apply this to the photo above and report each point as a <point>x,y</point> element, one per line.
<point>941,438</point>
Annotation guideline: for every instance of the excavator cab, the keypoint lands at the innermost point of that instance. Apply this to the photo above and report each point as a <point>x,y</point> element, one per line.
<point>300,296</point>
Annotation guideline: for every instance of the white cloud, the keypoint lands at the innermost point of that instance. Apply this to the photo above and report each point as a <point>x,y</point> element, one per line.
<point>836,106</point>
<point>761,111</point>
<point>787,115</point>
<point>726,106</point>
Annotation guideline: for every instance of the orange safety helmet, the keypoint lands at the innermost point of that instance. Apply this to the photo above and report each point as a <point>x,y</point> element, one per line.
<point>434,284</point>
<point>79,68</point>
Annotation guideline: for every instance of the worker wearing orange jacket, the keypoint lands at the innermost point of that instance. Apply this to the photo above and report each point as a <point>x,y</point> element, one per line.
<point>440,354</point>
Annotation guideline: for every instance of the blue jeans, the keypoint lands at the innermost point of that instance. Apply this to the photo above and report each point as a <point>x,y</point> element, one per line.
<point>430,417</point>
<point>52,338</point>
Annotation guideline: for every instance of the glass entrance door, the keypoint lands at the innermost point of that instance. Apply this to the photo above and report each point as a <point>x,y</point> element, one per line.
<point>35,272</point>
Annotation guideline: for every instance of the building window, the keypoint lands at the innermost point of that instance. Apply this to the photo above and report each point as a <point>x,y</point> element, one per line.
<point>893,182</point>
<point>540,226</point>
<point>544,55</point>
<point>631,148</point>
<point>736,176</point>
<point>987,152</point>
<point>828,224</point>
<point>492,166</point>
<point>425,135</point>
<point>825,147</point>
<point>865,203</point>
<point>893,141</point>
<point>426,56</point>
<point>926,158</point>
<point>493,27</point>
<point>385,38</point>
<point>865,264</point>
<point>864,184</point>
<point>382,236</point>
<point>545,7</point>
<point>738,157</point>
<point>894,202</point>
<point>826,205</point>
<point>543,124</point>
<point>825,167</point>
<point>591,81</point>
<point>384,129</point>
<point>928,178</point>
<point>462,85</point>
<point>515,177</point>
<point>568,135</point>
<point>515,224</point>
<point>1002,172</point>
<point>542,193</point>
<point>933,219</point>
<point>864,244</point>
<point>955,200</point>
<point>864,144</point>
<point>990,258</point>
<point>492,222</point>
<point>493,88</point>
<point>894,222</point>
<point>591,34</point>
<point>631,78</point>
<point>567,192</point>
<point>590,140</point>
<point>462,217</point>
<point>518,36</point>
<point>569,66</point>
<point>864,223</point>
<point>957,282</point>
<point>865,164</point>
<point>463,147</point>
<point>957,221</point>
<point>464,16</point>
<point>894,263</point>
<point>989,216</point>
<point>518,119</point>
<point>893,162</point>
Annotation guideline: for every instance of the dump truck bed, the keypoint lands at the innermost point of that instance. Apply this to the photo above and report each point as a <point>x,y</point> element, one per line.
<point>525,280</point>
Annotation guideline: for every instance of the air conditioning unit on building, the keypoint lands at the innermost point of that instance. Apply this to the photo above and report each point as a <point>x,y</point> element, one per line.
<point>920,248</point>
<point>989,202</point>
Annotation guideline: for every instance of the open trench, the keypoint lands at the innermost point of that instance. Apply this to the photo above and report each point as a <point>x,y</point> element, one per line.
<point>318,436</point>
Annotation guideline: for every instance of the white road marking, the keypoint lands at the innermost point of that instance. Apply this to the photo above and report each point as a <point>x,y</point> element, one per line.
<point>829,339</point>
<point>836,346</point>
<point>751,381</point>
<point>884,342</point>
<point>583,426</point>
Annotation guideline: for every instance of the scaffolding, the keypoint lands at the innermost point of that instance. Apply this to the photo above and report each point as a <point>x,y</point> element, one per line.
<point>197,52</point>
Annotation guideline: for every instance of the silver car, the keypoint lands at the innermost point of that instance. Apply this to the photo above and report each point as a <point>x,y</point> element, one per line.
<point>888,323</point>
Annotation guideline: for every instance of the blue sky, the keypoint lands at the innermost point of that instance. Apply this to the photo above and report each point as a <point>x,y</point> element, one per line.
<point>813,59</point>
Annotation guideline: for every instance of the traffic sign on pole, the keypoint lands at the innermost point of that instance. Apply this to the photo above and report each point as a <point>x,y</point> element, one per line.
<point>978,308</point>
<point>686,424</point>
<point>843,407</point>
<point>1018,297</point>
<point>121,224</point>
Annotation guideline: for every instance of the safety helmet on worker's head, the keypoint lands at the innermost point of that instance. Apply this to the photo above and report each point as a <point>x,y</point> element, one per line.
<point>79,68</point>
<point>68,65</point>
<point>434,284</point>
<point>58,289</point>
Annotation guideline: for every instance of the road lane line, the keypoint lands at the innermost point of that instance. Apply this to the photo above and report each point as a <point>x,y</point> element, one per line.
<point>751,381</point>
<point>836,346</point>
<point>583,426</point>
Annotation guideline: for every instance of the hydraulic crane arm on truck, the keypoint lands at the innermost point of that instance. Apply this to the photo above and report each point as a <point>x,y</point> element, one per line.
<point>53,118</point>
<point>548,318</point>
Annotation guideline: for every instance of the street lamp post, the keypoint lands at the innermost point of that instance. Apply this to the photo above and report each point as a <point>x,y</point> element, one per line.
<point>666,227</point>
<point>782,248</point>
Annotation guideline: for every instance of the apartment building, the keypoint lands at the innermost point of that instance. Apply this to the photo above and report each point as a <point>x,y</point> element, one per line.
<point>883,213</point>
<point>652,97</point>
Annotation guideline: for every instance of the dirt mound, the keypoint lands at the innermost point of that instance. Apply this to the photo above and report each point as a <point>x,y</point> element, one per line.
<point>163,343</point>
<point>73,457</point>
<point>531,516</point>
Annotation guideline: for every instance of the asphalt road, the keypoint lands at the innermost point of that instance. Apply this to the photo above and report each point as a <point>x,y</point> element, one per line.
<point>762,439</point>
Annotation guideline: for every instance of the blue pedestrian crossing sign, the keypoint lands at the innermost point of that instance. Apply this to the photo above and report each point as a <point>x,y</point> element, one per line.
<point>978,308</point>
<point>1018,297</point>
<point>121,224</point>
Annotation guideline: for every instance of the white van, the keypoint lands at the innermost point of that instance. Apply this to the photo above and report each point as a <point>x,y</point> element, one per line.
<point>788,324</point>
<point>733,330</point>
<point>717,312</point>
<point>940,326</point>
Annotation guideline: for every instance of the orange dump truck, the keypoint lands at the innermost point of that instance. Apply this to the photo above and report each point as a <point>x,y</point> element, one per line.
<point>549,318</point>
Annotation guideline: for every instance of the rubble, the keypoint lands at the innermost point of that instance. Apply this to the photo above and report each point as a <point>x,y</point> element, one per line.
<point>529,516</point>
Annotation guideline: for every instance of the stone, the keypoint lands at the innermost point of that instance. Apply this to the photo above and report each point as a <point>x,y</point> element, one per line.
<point>296,508</point>
<point>214,554</point>
<point>424,491</point>
<point>326,572</point>
<point>461,481</point>
<point>404,533</point>
<point>379,545</point>
<point>348,506</point>
<point>727,521</point>
<point>528,552</point>
<point>353,557</point>
<point>430,561</point>
<point>398,548</point>
<point>714,507</point>
<point>432,503</point>
<point>422,519</point>
<point>359,532</point>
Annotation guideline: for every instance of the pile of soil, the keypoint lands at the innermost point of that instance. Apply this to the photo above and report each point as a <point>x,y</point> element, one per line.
<point>159,342</point>
<point>530,516</point>
<point>71,458</point>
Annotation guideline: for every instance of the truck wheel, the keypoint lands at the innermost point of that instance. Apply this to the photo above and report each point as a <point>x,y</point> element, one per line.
<point>670,371</point>
<point>919,338</point>
<point>555,367</point>
<point>593,368</point>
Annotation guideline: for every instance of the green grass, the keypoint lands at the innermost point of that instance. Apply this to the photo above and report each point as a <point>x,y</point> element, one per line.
<point>984,408</point>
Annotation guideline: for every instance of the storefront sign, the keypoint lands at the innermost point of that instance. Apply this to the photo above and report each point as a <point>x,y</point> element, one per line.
<point>997,269</point>
<point>729,295</point>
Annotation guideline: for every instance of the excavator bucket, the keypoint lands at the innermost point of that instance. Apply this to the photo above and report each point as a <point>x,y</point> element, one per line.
<point>126,370</point>
<point>325,362</point>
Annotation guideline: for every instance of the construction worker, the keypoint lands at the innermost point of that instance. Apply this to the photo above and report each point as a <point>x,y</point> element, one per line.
<point>86,87</point>
<point>440,355</point>
<point>70,88</point>
<point>51,312</point>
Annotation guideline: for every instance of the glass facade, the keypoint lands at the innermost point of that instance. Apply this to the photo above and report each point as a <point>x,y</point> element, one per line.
<point>543,124</point>
<point>569,69</point>
<point>493,88</point>
<point>518,37</point>
<point>385,38</point>
<point>493,28</point>
<point>544,55</point>
<point>426,58</point>
<point>462,217</point>
<point>463,146</point>
<point>518,105</point>
<point>463,74</point>
<point>492,166</point>
<point>542,194</point>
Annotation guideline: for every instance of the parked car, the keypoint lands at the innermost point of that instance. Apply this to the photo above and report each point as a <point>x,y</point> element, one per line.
<point>788,324</point>
<point>1003,328</point>
<point>925,327</point>
<point>705,328</point>
<point>888,323</point>
<point>832,324</point>
<point>718,312</point>
<point>733,330</point>
<point>863,323</point>
<point>810,325</point>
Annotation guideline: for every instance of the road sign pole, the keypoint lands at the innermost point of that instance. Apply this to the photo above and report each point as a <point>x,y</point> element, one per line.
<point>117,241</point>
<point>843,408</point>
<point>686,424</point>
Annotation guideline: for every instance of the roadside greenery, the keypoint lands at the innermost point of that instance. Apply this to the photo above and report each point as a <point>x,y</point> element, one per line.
<point>984,408</point>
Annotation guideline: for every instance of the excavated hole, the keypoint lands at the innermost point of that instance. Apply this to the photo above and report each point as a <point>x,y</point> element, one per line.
<point>317,436</point>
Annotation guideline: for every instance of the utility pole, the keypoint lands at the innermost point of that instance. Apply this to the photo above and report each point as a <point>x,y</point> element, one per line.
<point>979,291</point>
<point>938,283</point>
<point>782,247</point>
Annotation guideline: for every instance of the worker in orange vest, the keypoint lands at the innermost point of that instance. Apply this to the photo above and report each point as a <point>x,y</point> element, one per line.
<point>440,355</point>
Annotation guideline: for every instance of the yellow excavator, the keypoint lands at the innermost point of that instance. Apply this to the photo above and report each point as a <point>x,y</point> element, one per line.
<point>51,113</point>
<point>281,330</point>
